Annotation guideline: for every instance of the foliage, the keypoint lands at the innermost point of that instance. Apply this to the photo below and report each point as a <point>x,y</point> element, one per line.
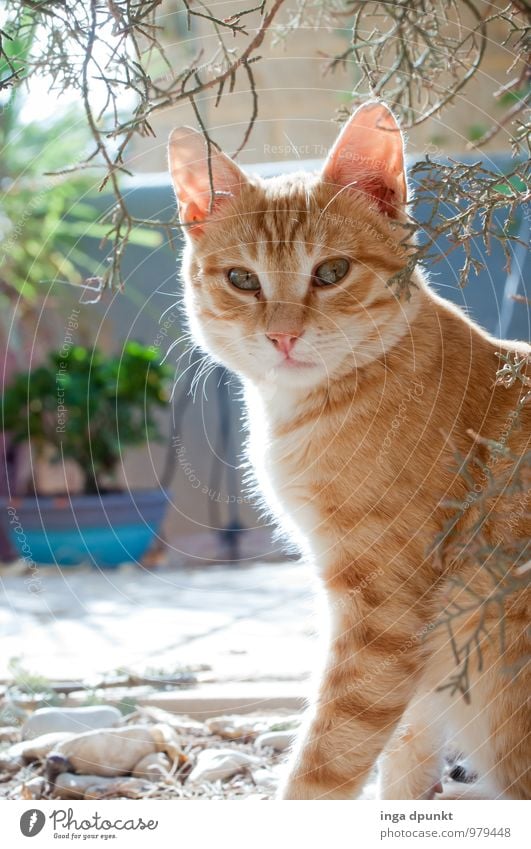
<point>89,406</point>
<point>39,241</point>
<point>41,224</point>
<point>507,562</point>
<point>487,207</point>
<point>86,46</point>
<point>27,683</point>
<point>44,216</point>
<point>503,494</point>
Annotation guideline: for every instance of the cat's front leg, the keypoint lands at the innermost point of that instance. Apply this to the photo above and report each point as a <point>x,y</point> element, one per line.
<point>364,692</point>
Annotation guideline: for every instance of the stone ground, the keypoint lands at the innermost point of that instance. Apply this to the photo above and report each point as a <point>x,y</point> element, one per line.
<point>247,623</point>
<point>252,626</point>
<point>255,775</point>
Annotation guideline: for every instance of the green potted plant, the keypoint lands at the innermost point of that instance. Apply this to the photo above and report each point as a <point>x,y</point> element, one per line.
<point>88,407</point>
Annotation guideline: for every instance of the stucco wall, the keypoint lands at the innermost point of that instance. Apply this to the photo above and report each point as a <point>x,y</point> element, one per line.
<point>299,101</point>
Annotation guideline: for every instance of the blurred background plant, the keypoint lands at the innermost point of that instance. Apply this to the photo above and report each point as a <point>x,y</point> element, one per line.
<point>89,407</point>
<point>41,218</point>
<point>45,210</point>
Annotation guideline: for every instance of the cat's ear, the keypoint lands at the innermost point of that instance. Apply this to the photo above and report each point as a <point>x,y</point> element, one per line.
<point>189,169</point>
<point>369,156</point>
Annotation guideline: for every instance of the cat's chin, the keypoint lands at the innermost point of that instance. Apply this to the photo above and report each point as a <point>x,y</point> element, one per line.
<point>302,377</point>
<point>289,365</point>
<point>289,377</point>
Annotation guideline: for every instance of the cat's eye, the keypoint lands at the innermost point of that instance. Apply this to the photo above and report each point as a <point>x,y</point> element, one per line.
<point>330,272</point>
<point>243,279</point>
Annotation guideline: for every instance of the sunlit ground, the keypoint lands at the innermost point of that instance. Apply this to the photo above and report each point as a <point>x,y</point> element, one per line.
<point>253,623</point>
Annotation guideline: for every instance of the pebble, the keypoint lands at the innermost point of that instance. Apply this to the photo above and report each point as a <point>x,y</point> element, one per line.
<point>219,764</point>
<point>266,778</point>
<point>10,765</point>
<point>153,767</point>
<point>235,727</point>
<point>33,789</point>
<point>39,748</point>
<point>76,720</point>
<point>71,786</point>
<point>132,788</point>
<point>180,723</point>
<point>115,751</point>
<point>9,734</point>
<point>286,723</point>
<point>277,740</point>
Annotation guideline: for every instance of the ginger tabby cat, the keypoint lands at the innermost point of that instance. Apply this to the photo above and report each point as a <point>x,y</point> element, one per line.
<point>285,284</point>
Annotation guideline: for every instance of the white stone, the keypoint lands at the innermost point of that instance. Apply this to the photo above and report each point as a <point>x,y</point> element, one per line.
<point>265,778</point>
<point>277,740</point>
<point>76,719</point>
<point>219,764</point>
<point>37,749</point>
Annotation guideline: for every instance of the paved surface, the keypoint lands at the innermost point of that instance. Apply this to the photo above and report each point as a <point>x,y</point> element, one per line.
<point>249,623</point>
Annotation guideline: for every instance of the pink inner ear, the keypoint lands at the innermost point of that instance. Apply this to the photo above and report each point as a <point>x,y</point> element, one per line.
<point>376,189</point>
<point>194,195</point>
<point>188,161</point>
<point>369,156</point>
<point>195,199</point>
<point>190,213</point>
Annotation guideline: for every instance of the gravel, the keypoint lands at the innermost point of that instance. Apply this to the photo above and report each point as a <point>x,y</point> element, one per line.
<point>257,778</point>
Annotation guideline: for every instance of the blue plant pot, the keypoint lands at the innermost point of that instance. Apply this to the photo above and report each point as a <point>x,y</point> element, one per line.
<point>105,529</point>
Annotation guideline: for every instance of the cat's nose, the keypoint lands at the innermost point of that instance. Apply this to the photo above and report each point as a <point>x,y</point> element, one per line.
<point>283,341</point>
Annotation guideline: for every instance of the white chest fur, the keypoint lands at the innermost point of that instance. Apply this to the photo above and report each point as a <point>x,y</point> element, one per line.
<point>283,471</point>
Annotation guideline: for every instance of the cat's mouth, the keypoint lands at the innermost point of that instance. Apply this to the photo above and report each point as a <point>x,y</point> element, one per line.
<point>292,363</point>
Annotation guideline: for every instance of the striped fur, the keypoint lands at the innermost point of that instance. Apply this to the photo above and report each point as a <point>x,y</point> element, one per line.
<point>354,451</point>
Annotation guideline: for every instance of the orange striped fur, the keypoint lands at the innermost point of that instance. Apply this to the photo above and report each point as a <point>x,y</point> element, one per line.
<point>353,440</point>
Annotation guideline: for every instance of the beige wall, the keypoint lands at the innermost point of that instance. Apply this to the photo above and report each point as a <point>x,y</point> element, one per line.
<point>298,102</point>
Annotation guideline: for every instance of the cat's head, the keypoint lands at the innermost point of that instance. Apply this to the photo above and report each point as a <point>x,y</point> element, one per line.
<point>286,278</point>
